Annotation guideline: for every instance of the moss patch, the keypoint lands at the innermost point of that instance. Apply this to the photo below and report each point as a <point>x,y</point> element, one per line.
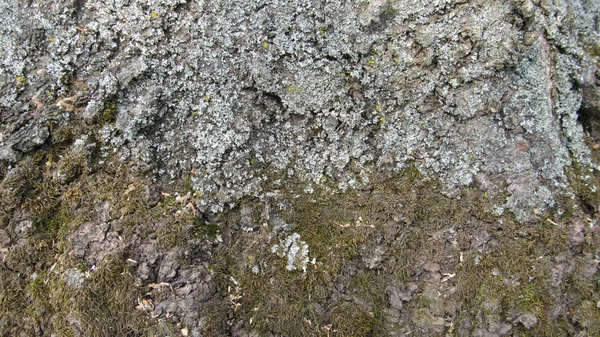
<point>108,114</point>
<point>331,298</point>
<point>51,194</point>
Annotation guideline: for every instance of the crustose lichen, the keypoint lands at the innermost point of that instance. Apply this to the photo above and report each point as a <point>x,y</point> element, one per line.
<point>296,251</point>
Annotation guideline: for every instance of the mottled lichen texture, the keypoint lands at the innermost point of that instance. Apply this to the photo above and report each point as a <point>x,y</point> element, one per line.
<point>472,92</point>
<point>299,168</point>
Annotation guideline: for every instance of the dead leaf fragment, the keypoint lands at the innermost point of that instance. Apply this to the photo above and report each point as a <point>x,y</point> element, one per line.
<point>67,104</point>
<point>159,285</point>
<point>145,305</point>
<point>522,145</point>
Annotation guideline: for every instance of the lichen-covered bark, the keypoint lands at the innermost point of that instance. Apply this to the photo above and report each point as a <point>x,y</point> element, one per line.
<point>300,167</point>
<point>474,92</point>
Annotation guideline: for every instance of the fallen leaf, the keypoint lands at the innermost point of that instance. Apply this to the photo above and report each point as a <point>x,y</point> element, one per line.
<point>522,146</point>
<point>67,104</point>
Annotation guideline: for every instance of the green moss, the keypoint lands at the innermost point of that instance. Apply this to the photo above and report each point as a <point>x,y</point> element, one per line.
<point>329,230</point>
<point>278,300</point>
<point>335,227</point>
<point>587,315</point>
<point>11,298</point>
<point>349,319</point>
<point>25,176</point>
<point>183,230</point>
<point>17,286</point>
<point>406,252</point>
<point>54,191</point>
<point>62,135</point>
<point>369,285</point>
<point>72,165</point>
<point>182,224</point>
<point>292,89</point>
<point>585,184</point>
<point>515,276</point>
<point>521,285</point>
<point>593,50</point>
<point>579,287</point>
<point>367,319</point>
<point>108,114</point>
<point>104,305</point>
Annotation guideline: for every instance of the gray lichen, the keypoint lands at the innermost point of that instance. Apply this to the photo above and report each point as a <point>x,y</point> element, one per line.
<point>295,250</point>
<point>374,85</point>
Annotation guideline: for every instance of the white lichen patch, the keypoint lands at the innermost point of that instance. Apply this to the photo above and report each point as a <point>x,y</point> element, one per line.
<point>295,250</point>
<point>74,277</point>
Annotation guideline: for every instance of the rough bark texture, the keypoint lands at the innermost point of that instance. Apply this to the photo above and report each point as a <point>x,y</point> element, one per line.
<point>299,168</point>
